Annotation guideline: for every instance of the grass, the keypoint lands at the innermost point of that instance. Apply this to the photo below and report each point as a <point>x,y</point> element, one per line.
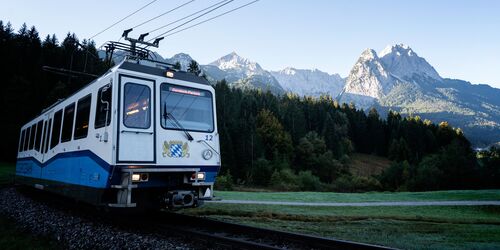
<point>479,195</point>
<point>367,165</point>
<point>13,238</point>
<point>401,227</point>
<point>7,171</point>
<point>10,236</point>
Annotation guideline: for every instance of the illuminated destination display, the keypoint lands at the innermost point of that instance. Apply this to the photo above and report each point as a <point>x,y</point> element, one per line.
<point>185,91</point>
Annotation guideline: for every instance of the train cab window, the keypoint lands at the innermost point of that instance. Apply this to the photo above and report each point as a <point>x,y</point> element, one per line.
<point>82,117</point>
<point>103,107</point>
<point>32,136</point>
<point>56,129</point>
<point>38,138</point>
<point>27,139</point>
<point>190,107</point>
<point>67,128</point>
<point>21,142</point>
<point>137,106</point>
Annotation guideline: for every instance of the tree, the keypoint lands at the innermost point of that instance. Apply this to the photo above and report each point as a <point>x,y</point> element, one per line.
<point>194,68</point>
<point>429,175</point>
<point>177,65</point>
<point>396,176</point>
<point>27,89</point>
<point>313,155</point>
<point>276,142</point>
<point>399,150</point>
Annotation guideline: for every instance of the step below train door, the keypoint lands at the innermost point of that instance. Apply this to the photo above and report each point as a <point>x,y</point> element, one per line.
<point>136,140</point>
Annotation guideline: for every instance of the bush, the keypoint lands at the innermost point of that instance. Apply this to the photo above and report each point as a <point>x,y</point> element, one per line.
<point>396,176</point>
<point>429,176</point>
<point>349,183</point>
<point>308,181</point>
<point>285,180</point>
<point>261,172</point>
<point>224,182</point>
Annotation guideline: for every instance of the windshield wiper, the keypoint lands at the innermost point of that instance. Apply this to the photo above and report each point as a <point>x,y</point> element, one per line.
<point>175,122</point>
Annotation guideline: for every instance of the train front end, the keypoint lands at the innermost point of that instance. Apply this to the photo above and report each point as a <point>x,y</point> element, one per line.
<point>167,144</point>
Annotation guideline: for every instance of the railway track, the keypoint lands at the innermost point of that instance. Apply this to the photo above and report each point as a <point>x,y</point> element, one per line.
<point>216,234</point>
<point>202,232</point>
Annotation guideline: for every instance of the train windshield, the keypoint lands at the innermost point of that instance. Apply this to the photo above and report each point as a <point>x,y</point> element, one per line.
<point>184,108</point>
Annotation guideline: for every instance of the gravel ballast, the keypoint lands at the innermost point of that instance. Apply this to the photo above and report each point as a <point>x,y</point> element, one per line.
<point>76,230</point>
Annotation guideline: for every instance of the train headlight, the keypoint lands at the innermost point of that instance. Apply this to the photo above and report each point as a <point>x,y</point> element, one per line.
<point>207,154</point>
<point>140,177</point>
<point>200,176</point>
<point>136,177</point>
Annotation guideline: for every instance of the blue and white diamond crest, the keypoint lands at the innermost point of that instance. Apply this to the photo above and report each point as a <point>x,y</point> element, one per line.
<point>175,149</point>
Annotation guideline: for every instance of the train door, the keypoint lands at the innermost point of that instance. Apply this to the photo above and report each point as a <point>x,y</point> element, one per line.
<point>46,137</point>
<point>136,140</point>
<point>45,143</point>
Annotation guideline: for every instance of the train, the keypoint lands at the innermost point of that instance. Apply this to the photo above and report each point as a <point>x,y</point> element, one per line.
<point>142,135</point>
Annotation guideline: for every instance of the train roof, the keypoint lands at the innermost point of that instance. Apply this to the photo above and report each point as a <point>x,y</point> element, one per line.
<point>145,66</point>
<point>161,71</point>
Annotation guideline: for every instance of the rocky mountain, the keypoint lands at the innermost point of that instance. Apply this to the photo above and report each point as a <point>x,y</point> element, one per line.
<point>242,73</point>
<point>395,79</point>
<point>398,79</point>
<point>183,58</point>
<point>307,82</point>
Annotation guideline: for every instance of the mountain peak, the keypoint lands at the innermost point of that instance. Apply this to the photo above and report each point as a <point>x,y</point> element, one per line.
<point>181,57</point>
<point>368,54</point>
<point>402,61</point>
<point>288,71</point>
<point>235,61</point>
<point>398,49</point>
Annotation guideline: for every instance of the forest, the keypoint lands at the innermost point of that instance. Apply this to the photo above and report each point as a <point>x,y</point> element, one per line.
<point>280,142</point>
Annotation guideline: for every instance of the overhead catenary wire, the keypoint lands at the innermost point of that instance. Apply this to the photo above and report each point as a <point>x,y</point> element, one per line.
<point>188,16</point>
<point>204,21</point>
<point>162,14</point>
<point>121,20</point>
<point>190,20</point>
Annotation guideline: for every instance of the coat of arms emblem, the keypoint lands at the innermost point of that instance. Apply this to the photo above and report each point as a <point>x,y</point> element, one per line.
<point>175,149</point>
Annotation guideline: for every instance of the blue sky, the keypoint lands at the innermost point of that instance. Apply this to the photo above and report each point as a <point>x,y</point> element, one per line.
<point>460,38</point>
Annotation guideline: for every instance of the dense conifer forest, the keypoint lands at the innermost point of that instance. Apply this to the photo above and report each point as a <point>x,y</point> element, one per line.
<point>282,142</point>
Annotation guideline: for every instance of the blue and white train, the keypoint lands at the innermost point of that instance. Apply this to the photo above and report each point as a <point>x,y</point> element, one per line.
<point>141,135</point>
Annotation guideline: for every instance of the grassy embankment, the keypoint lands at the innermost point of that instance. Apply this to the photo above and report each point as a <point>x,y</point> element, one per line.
<point>458,195</point>
<point>439,227</point>
<point>10,236</point>
<point>7,171</point>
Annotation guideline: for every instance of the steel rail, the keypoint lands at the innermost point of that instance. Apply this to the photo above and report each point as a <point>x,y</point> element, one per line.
<point>250,237</point>
<point>195,229</point>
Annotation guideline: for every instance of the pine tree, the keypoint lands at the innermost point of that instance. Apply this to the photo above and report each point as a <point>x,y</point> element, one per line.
<point>177,65</point>
<point>194,68</point>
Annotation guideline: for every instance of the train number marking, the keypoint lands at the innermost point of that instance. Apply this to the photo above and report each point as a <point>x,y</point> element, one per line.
<point>209,137</point>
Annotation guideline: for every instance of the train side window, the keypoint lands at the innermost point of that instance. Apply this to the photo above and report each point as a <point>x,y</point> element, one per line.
<point>67,128</point>
<point>27,139</point>
<point>46,144</point>
<point>82,117</point>
<point>44,137</point>
<point>56,129</point>
<point>32,136</point>
<point>38,138</point>
<point>21,142</point>
<point>102,107</point>
<point>136,106</point>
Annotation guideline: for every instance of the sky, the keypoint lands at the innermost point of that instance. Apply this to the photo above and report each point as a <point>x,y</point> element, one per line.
<point>460,38</point>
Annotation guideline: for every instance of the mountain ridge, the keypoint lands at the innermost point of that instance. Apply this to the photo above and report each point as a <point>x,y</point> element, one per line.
<point>396,78</point>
